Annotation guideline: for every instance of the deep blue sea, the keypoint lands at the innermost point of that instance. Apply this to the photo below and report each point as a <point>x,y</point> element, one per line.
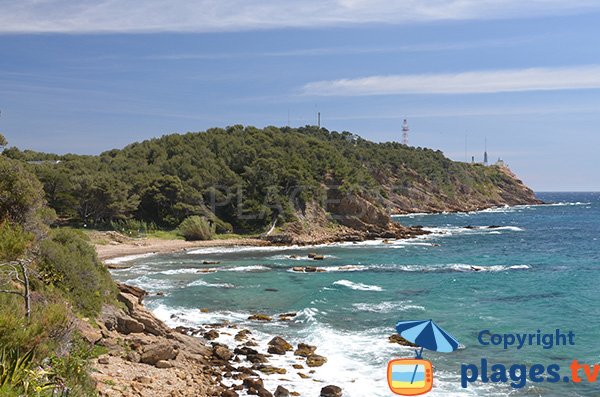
<point>538,269</point>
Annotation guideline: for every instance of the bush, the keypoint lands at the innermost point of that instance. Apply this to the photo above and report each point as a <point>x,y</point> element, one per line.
<point>195,228</point>
<point>69,262</point>
<point>133,227</point>
<point>13,241</point>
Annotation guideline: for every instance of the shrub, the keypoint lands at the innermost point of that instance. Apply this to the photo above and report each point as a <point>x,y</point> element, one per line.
<point>13,241</point>
<point>69,262</point>
<point>195,228</point>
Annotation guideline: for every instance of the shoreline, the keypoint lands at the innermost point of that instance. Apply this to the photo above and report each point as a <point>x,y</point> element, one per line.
<point>145,246</point>
<point>149,246</point>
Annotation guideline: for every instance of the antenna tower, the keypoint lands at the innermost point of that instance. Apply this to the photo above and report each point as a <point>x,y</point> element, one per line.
<point>405,130</point>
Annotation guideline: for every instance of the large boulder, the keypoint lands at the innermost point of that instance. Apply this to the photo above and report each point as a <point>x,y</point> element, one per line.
<point>161,351</point>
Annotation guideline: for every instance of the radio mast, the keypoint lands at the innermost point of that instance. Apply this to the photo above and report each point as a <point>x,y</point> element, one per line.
<point>405,130</point>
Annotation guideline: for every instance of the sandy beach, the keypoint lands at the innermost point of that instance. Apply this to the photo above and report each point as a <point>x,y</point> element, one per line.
<point>115,249</point>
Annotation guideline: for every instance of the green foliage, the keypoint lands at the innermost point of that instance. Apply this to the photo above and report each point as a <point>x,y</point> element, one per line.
<point>196,228</point>
<point>69,263</point>
<point>3,141</point>
<point>49,323</point>
<point>14,241</point>
<point>73,369</point>
<point>133,227</point>
<point>21,194</point>
<point>243,178</point>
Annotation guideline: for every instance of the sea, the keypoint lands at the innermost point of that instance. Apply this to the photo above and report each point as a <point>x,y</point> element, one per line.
<point>513,270</point>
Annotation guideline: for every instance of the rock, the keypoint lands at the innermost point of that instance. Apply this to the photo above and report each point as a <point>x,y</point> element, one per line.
<point>281,392</point>
<point>297,366</point>
<point>257,358</point>
<point>243,334</point>
<point>163,364</point>
<point>270,370</point>
<point>305,350</point>
<point>251,383</point>
<point>222,352</point>
<point>206,271</point>
<point>89,333</point>
<point>318,257</point>
<point>331,391</point>
<point>260,317</point>
<point>133,357</point>
<point>276,350</point>
<point>103,360</point>
<point>271,289</point>
<point>280,343</point>
<point>211,335</point>
<point>310,269</point>
<point>130,289</point>
<point>229,393</point>
<point>157,352</point>
<point>211,262</point>
<point>204,310</point>
<point>395,338</point>
<point>303,376</point>
<point>244,351</point>
<point>314,360</point>
<point>312,254</point>
<point>143,379</point>
<point>127,325</point>
<point>298,269</point>
<point>160,294</point>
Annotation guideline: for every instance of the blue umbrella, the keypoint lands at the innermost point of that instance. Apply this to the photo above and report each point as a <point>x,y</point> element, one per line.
<point>426,334</point>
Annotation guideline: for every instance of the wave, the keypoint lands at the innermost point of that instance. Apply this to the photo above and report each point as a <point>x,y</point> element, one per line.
<point>250,268</point>
<point>128,258</point>
<point>448,268</point>
<point>202,283</point>
<point>387,307</point>
<point>358,286</point>
<point>453,230</point>
<point>179,271</point>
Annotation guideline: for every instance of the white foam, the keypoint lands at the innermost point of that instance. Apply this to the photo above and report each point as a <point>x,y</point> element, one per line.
<point>128,258</point>
<point>456,267</point>
<point>202,283</point>
<point>387,307</point>
<point>179,271</point>
<point>250,268</point>
<point>358,286</point>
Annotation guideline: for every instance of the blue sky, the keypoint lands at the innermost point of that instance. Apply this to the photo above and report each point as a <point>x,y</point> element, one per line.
<point>88,76</point>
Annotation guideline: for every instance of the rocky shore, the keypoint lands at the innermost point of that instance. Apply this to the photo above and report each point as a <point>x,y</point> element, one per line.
<point>145,358</point>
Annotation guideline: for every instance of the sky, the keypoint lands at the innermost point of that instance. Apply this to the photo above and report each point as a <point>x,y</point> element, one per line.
<point>88,76</point>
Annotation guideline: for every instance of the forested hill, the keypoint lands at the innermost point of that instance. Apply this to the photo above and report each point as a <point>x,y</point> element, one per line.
<point>245,179</point>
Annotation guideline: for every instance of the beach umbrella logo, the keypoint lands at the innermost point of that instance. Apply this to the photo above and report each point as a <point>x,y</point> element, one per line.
<point>412,377</point>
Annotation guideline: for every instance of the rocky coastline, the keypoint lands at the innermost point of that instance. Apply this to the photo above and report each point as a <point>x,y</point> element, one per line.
<point>146,358</point>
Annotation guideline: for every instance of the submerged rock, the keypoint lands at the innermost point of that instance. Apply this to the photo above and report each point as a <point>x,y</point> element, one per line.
<point>260,317</point>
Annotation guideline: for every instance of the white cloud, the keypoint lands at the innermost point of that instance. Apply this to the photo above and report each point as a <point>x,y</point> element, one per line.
<point>479,82</point>
<point>90,16</point>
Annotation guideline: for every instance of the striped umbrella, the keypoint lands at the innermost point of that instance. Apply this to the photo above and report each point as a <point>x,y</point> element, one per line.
<point>426,334</point>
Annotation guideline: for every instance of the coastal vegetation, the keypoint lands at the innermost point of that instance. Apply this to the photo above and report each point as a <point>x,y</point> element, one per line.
<point>49,279</point>
<point>245,180</point>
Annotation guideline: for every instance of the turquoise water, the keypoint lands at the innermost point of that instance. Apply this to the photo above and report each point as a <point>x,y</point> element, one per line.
<point>540,269</point>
